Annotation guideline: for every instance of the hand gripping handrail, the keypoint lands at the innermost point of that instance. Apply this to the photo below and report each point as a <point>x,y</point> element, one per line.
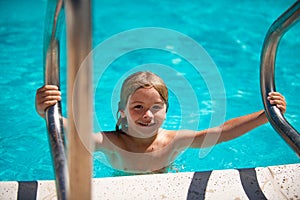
<point>267,83</point>
<point>53,116</point>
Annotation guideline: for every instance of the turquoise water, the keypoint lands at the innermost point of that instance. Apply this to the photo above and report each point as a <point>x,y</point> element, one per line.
<point>231,33</point>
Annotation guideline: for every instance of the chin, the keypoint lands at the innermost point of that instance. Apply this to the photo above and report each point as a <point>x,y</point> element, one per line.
<point>145,131</point>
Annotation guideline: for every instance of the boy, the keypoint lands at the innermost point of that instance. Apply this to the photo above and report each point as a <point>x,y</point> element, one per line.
<point>139,144</point>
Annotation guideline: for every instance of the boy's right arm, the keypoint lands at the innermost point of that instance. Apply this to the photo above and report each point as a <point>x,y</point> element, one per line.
<point>46,96</point>
<point>49,95</point>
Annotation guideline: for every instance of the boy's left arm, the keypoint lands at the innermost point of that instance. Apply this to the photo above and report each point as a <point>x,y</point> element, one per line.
<point>238,126</point>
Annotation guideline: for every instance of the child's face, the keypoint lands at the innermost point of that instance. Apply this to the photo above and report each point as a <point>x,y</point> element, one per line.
<point>145,112</point>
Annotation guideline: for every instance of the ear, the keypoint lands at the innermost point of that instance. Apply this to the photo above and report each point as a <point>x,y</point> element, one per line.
<point>165,116</point>
<point>122,113</point>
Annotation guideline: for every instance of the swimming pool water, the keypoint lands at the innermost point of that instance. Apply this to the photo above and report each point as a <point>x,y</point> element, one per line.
<point>232,33</point>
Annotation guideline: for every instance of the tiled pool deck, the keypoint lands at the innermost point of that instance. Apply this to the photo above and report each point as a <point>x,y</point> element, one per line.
<point>274,182</point>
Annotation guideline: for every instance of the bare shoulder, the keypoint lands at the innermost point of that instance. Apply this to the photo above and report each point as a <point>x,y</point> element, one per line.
<point>177,137</point>
<point>108,139</point>
<point>187,138</point>
<point>168,135</point>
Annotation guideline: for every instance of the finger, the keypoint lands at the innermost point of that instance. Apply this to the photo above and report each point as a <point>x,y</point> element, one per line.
<point>47,87</point>
<point>50,87</point>
<point>275,94</point>
<point>50,98</point>
<point>44,99</point>
<point>44,102</point>
<point>50,103</point>
<point>42,92</point>
<point>276,97</point>
<point>277,102</point>
<point>47,91</point>
<point>51,93</point>
<point>44,105</point>
<point>281,108</point>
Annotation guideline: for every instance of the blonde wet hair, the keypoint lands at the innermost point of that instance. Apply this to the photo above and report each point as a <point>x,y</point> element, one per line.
<point>134,82</point>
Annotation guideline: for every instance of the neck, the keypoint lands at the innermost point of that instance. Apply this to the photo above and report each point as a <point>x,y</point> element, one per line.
<point>142,141</point>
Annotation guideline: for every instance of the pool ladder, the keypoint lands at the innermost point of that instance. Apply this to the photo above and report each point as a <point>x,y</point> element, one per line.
<point>267,82</point>
<point>72,171</point>
<point>53,113</point>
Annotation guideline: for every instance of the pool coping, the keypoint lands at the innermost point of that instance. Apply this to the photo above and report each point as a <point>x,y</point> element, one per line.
<point>272,182</point>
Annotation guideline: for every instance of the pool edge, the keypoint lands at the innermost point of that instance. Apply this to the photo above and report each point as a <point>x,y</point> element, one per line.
<point>272,182</point>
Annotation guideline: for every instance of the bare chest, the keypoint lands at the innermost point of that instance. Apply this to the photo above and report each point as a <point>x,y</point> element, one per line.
<point>148,161</point>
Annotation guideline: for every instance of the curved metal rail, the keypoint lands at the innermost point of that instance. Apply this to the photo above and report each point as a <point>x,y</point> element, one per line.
<point>54,17</point>
<point>268,56</point>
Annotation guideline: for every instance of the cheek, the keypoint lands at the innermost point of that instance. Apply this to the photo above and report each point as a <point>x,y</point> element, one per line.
<point>125,114</point>
<point>133,114</point>
<point>161,115</point>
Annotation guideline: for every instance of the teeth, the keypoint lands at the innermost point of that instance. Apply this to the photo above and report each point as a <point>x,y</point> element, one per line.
<point>145,124</point>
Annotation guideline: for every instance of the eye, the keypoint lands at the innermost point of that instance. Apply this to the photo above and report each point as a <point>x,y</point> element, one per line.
<point>157,107</point>
<point>138,107</point>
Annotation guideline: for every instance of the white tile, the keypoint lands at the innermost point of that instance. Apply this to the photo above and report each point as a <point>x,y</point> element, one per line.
<point>8,190</point>
<point>267,184</point>
<point>276,182</point>
<point>158,186</point>
<point>287,178</point>
<point>46,190</point>
<point>225,184</point>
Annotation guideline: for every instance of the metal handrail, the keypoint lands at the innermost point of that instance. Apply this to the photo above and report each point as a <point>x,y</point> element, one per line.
<point>53,115</point>
<point>267,83</point>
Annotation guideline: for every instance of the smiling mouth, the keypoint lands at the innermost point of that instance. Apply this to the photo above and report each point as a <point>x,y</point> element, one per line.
<point>146,124</point>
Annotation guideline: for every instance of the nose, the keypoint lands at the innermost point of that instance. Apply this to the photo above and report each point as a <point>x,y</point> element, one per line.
<point>148,114</point>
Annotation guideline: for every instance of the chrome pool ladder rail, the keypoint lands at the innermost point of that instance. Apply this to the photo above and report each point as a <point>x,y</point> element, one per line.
<point>267,82</point>
<point>54,121</point>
